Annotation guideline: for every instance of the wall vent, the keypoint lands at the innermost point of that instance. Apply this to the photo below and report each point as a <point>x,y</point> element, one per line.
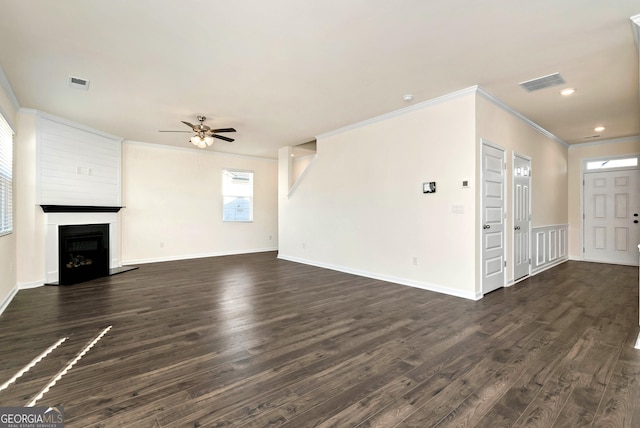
<point>554,79</point>
<point>78,83</point>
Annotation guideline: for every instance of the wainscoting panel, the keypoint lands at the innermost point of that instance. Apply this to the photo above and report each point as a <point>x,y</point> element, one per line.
<point>550,246</point>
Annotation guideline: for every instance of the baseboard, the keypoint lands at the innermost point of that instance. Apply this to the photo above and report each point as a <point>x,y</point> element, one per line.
<point>401,281</point>
<point>549,266</point>
<point>27,285</point>
<point>8,299</point>
<point>195,256</point>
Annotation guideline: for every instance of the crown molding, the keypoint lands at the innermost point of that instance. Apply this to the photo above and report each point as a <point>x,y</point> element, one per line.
<point>632,139</point>
<point>399,112</point>
<point>495,101</point>
<point>8,90</point>
<point>635,26</point>
<point>453,95</point>
<point>195,149</point>
<point>67,122</point>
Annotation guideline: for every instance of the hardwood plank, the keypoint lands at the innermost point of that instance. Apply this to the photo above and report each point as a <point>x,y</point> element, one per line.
<point>251,340</point>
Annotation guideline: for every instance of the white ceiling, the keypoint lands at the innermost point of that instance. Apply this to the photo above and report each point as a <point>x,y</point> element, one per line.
<point>283,71</point>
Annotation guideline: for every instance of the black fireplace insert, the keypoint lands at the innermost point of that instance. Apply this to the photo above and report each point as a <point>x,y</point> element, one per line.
<point>83,252</point>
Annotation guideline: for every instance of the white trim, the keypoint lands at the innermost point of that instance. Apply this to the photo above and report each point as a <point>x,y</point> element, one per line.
<point>632,139</point>
<point>195,149</point>
<point>304,173</point>
<point>470,90</point>
<point>513,211</point>
<point>638,342</point>
<point>401,281</point>
<point>488,143</point>
<point>399,112</point>
<point>585,161</point>
<point>32,284</point>
<point>635,27</point>
<point>548,247</point>
<point>583,171</point>
<point>8,299</point>
<point>8,90</point>
<point>196,256</point>
<point>67,122</point>
<point>486,95</point>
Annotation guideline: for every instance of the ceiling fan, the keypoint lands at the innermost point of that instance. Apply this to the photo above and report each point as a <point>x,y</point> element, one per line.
<point>204,135</point>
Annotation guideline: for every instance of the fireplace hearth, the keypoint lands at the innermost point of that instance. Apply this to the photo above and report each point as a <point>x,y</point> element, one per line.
<point>83,252</point>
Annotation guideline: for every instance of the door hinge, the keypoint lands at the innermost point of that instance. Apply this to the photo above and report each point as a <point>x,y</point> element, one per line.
<point>529,261</point>
<point>583,249</point>
<point>505,263</point>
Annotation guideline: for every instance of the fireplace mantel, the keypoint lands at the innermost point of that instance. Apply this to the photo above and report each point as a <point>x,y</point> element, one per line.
<point>78,209</point>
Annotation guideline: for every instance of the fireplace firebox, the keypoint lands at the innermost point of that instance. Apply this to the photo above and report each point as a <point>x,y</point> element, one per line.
<point>83,252</point>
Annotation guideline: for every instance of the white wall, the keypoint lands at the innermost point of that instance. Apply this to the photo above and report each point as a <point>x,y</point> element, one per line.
<point>173,204</point>
<point>578,152</point>
<point>8,242</point>
<point>360,207</point>
<point>549,167</point>
<point>31,221</point>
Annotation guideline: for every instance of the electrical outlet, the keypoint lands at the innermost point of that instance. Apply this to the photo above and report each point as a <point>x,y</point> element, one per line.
<point>162,245</point>
<point>304,246</point>
<point>415,261</point>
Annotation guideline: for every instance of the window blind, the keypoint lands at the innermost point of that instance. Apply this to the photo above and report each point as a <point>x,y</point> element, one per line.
<point>6,177</point>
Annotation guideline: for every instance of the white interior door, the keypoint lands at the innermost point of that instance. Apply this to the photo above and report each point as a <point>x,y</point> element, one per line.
<point>611,209</point>
<point>493,168</point>
<point>521,216</point>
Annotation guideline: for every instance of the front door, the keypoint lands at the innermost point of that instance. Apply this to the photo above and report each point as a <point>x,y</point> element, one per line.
<point>611,209</point>
<point>493,168</point>
<point>521,216</point>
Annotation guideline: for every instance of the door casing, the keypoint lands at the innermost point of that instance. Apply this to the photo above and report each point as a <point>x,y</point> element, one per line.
<point>496,278</point>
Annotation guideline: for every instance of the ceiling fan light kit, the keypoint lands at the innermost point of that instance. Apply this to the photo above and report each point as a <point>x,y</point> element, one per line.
<point>204,135</point>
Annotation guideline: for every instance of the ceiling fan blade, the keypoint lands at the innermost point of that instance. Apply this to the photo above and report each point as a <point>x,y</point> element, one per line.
<point>220,137</point>
<point>223,130</point>
<point>189,125</point>
<point>189,132</point>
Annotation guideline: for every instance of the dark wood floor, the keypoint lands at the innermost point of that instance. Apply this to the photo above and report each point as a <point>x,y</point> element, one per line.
<point>254,341</point>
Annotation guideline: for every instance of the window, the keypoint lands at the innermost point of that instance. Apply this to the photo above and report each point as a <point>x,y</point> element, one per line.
<point>237,195</point>
<point>6,177</point>
<point>613,163</point>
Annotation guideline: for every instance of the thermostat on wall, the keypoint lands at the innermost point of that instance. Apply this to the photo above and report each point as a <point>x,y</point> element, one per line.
<point>429,187</point>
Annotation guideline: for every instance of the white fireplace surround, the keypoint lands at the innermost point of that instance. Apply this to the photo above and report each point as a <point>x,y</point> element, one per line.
<point>77,166</point>
<point>54,220</point>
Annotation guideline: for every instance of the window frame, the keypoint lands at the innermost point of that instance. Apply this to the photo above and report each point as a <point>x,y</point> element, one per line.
<point>605,159</point>
<point>237,195</point>
<point>6,176</point>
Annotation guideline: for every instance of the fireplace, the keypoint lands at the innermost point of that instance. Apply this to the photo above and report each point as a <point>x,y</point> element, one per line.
<point>83,252</point>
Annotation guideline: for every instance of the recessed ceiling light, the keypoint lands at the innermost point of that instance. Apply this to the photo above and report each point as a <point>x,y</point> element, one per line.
<point>567,91</point>
<point>599,128</point>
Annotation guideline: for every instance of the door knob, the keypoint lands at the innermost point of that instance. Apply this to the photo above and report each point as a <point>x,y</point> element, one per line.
<point>517,228</point>
<point>486,226</point>
<point>635,221</point>
<point>635,214</point>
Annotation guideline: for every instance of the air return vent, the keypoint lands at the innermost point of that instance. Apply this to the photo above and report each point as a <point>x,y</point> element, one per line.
<point>543,82</point>
<point>78,83</point>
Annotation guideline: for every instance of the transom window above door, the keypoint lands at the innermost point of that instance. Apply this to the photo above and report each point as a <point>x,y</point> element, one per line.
<point>626,162</point>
